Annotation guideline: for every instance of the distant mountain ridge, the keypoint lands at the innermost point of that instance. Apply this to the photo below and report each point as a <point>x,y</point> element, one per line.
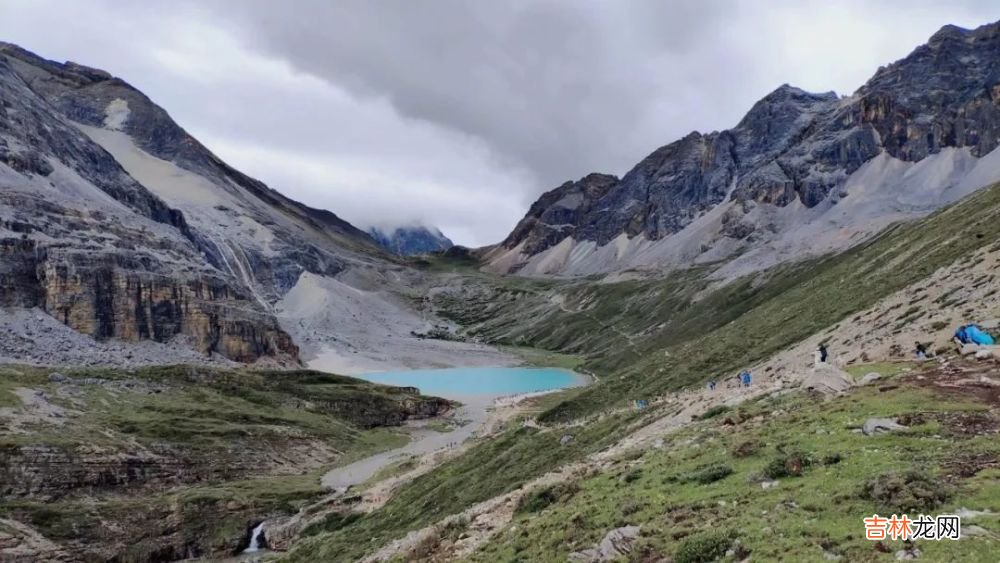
<point>410,240</point>
<point>801,173</point>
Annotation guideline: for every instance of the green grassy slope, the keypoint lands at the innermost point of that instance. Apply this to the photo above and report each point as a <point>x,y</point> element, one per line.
<point>491,468</point>
<point>743,322</point>
<point>797,301</point>
<point>662,335</point>
<point>702,491</point>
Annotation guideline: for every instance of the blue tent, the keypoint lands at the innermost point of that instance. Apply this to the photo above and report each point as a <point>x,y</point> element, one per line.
<point>973,334</point>
<point>978,335</point>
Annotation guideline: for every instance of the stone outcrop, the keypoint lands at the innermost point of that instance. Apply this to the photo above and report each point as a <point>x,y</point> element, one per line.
<point>616,544</point>
<point>51,472</point>
<point>20,543</point>
<point>121,295</point>
<point>367,411</point>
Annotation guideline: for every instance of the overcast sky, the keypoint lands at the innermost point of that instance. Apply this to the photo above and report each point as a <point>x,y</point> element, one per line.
<point>460,113</point>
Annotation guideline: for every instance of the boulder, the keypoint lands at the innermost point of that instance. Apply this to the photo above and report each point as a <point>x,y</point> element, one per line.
<point>282,531</point>
<point>874,426</point>
<point>870,377</point>
<point>616,543</point>
<point>566,440</point>
<point>827,379</point>
<point>973,531</point>
<point>990,324</point>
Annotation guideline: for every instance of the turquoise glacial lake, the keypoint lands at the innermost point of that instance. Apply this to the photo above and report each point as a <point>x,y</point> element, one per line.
<point>463,382</point>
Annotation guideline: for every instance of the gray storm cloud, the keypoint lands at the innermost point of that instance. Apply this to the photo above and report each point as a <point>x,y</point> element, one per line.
<point>460,114</point>
<point>550,85</point>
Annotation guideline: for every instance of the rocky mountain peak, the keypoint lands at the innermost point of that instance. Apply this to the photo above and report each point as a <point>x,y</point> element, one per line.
<point>410,240</point>
<point>555,210</point>
<point>949,33</point>
<point>785,103</point>
<point>788,95</point>
<point>793,151</point>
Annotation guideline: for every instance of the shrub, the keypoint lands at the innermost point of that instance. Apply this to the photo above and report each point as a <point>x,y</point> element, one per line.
<point>631,506</point>
<point>790,465</point>
<point>906,492</point>
<point>715,411</point>
<point>745,449</point>
<point>703,548</point>
<point>939,325</point>
<point>632,475</point>
<point>832,459</point>
<point>540,499</point>
<point>711,473</point>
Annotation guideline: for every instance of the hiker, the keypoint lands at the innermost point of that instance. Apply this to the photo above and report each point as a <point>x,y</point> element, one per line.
<point>960,337</point>
<point>921,351</point>
<point>822,353</point>
<point>745,378</point>
<point>711,385</point>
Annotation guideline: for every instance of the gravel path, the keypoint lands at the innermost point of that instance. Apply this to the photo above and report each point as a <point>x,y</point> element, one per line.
<point>473,415</point>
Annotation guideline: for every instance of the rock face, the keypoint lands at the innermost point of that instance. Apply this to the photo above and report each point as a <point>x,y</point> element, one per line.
<point>557,212</point>
<point>789,161</point>
<point>119,224</point>
<point>53,472</point>
<point>119,295</point>
<point>20,543</point>
<point>410,241</point>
